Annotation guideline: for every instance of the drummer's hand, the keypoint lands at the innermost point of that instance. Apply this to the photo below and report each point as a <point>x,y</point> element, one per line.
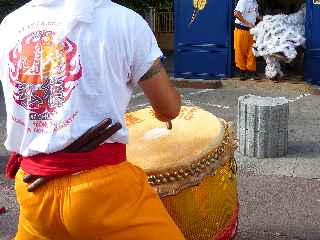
<point>89,141</point>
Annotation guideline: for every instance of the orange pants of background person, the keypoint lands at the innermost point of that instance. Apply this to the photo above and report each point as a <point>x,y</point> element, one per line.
<point>107,203</point>
<point>244,58</point>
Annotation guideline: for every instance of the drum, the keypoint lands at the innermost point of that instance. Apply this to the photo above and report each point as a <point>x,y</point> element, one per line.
<point>192,168</point>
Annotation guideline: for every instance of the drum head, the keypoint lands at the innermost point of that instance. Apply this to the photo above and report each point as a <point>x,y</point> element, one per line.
<point>154,148</point>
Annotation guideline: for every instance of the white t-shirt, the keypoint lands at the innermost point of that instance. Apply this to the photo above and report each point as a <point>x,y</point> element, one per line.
<point>56,92</point>
<point>249,10</point>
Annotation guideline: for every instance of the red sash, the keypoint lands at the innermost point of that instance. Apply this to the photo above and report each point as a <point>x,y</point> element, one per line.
<point>61,163</point>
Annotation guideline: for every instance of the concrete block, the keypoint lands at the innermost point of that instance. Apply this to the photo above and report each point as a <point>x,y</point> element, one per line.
<point>263,126</point>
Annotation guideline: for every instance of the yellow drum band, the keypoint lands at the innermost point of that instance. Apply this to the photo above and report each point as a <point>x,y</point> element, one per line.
<point>197,186</point>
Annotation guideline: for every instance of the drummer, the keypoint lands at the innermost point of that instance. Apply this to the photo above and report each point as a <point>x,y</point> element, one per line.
<point>78,62</point>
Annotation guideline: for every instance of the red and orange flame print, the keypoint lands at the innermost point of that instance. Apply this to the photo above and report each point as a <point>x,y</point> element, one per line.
<point>43,73</point>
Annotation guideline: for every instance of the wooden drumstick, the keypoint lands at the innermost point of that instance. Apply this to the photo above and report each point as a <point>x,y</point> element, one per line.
<point>169,125</point>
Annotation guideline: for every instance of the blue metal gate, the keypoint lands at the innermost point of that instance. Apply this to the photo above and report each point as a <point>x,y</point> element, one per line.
<point>312,54</point>
<point>203,39</point>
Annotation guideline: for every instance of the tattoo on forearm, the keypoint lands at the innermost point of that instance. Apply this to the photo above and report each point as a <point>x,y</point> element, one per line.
<point>155,69</point>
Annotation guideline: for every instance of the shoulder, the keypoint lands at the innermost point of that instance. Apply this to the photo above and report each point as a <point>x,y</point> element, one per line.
<point>121,12</point>
<point>119,17</point>
<point>241,4</point>
<point>13,17</point>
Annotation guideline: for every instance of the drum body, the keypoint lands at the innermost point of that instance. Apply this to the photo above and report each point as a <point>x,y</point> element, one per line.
<point>192,168</point>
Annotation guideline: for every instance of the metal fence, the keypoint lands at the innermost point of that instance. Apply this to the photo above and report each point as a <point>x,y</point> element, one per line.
<point>163,22</point>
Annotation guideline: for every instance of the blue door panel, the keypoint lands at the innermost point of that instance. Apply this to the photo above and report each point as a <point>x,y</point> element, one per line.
<point>312,66</point>
<point>210,26</point>
<point>203,50</point>
<point>313,25</point>
<point>312,53</point>
<point>201,64</point>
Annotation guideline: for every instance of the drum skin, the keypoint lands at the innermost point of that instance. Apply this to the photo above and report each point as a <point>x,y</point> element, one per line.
<point>199,194</point>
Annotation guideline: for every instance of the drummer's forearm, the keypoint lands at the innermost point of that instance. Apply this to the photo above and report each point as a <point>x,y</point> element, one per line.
<point>163,96</point>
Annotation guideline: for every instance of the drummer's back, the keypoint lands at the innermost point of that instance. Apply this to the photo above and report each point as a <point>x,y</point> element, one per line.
<point>98,56</point>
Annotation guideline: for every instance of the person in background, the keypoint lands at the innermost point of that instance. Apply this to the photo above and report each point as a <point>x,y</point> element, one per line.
<point>68,69</point>
<point>246,14</point>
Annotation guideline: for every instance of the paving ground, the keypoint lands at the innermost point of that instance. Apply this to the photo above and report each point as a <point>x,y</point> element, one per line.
<point>279,198</point>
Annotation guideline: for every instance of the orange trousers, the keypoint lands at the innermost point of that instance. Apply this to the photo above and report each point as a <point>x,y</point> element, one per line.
<point>107,203</point>
<point>244,58</point>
